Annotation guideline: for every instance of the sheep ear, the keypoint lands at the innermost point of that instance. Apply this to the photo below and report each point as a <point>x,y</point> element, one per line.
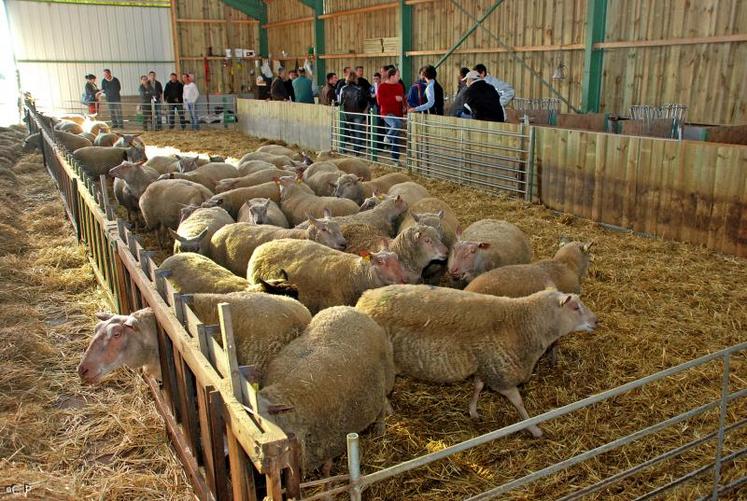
<point>564,240</point>
<point>104,315</point>
<point>550,286</point>
<point>201,235</point>
<point>415,217</point>
<point>327,213</point>
<point>440,214</point>
<point>176,235</point>
<point>131,322</point>
<point>459,232</point>
<point>284,274</point>
<point>483,245</point>
<point>564,300</point>
<point>177,157</point>
<point>267,204</point>
<point>587,246</point>
<point>312,220</point>
<point>383,244</point>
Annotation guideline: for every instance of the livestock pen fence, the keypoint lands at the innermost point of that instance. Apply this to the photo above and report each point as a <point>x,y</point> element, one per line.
<point>209,405</point>
<point>208,402</point>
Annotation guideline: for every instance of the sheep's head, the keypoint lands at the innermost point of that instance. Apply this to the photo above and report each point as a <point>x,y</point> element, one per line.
<point>187,244</point>
<point>393,206</point>
<point>572,314</point>
<point>126,170</point>
<point>386,267</point>
<point>187,164</point>
<point>576,254</point>
<point>432,219</point>
<point>258,210</point>
<point>465,258</point>
<point>326,231</point>
<point>187,211</point>
<point>348,186</point>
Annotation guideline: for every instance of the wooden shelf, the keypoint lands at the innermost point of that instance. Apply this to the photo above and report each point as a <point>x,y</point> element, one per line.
<point>343,56</point>
<point>217,21</point>
<point>289,22</point>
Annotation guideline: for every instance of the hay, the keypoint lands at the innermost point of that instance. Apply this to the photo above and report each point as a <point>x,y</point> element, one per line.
<point>64,440</point>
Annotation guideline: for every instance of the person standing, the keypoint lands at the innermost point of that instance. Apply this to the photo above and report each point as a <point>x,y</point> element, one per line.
<point>342,82</point>
<point>353,102</point>
<point>292,75</point>
<point>505,90</point>
<point>457,106</point>
<point>158,102</point>
<point>302,88</point>
<point>91,94</point>
<point>112,89</point>
<point>173,94</point>
<point>391,98</point>
<point>147,96</point>
<point>327,95</point>
<point>434,96</point>
<point>481,99</point>
<point>190,95</point>
<point>278,91</point>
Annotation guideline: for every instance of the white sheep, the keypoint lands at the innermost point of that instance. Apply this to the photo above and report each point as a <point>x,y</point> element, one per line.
<point>196,230</point>
<point>297,204</point>
<point>410,191</point>
<point>162,201</point>
<point>262,211</point>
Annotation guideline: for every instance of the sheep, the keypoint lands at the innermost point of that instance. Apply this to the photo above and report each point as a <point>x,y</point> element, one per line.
<point>252,166</point>
<point>323,183</point>
<point>73,117</point>
<point>382,217</point>
<point>325,277</point>
<point>499,339</point>
<point>487,244</point>
<point>318,168</point>
<point>262,326</point>
<point>433,212</point>
<point>276,149</point>
<point>191,273</point>
<point>163,164</point>
<point>207,175</point>
<point>233,200</point>
<point>131,181</point>
<point>68,126</point>
<point>162,201</point>
<point>411,191</point>
<point>335,378</point>
<point>135,147</point>
<point>372,201</point>
<point>297,204</point>
<point>87,135</point>
<point>233,245</point>
<point>353,166</point>
<point>70,141</point>
<point>278,161</point>
<point>97,160</point>
<point>196,230</point>
<point>106,139</point>
<point>262,211</point>
<point>95,127</point>
<point>350,186</point>
<point>257,178</point>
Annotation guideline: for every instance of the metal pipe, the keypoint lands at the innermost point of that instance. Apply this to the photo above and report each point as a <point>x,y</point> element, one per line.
<point>354,466</point>
<point>721,425</point>
<point>561,411</point>
<point>466,35</point>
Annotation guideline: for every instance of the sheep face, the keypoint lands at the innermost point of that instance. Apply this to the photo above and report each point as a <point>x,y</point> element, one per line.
<point>574,314</point>
<point>370,202</point>
<point>125,170</point>
<point>258,211</point>
<point>187,164</point>
<point>32,142</point>
<point>326,232</point>
<point>118,340</point>
<point>386,267</point>
<point>465,259</point>
<point>349,186</point>
<point>430,244</point>
<point>434,220</point>
<point>187,244</point>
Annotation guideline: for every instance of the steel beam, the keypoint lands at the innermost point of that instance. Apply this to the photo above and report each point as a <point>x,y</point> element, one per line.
<point>320,67</point>
<point>468,33</point>
<point>405,41</point>
<point>256,9</point>
<point>596,21</point>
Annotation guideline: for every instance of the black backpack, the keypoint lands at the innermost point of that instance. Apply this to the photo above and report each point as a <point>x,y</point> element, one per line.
<point>353,98</point>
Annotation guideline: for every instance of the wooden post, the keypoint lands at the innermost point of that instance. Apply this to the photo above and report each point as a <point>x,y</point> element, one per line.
<point>175,39</point>
<point>229,346</point>
<point>242,482</point>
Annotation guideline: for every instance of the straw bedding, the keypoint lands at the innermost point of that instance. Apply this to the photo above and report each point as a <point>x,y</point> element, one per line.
<point>660,303</point>
<point>64,440</point>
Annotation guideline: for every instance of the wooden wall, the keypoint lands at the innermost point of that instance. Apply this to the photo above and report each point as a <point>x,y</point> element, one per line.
<point>293,39</point>
<point>205,28</point>
<point>695,65</point>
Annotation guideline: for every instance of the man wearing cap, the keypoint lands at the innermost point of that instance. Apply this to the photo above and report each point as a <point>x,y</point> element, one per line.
<point>481,99</point>
<point>505,89</point>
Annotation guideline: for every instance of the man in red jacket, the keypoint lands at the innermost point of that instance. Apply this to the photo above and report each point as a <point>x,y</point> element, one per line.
<point>391,98</point>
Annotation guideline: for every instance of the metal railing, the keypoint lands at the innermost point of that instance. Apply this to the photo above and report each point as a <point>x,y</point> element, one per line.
<point>221,112</point>
<point>356,483</point>
<point>495,157</point>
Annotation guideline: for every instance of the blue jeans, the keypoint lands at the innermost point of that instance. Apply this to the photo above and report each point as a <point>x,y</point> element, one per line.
<point>192,108</point>
<point>395,124</point>
<point>353,128</point>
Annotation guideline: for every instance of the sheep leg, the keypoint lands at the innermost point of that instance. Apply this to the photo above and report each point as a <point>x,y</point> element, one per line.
<point>514,397</point>
<point>552,353</point>
<point>479,385</point>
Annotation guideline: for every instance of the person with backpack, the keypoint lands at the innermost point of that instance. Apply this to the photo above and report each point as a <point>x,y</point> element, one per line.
<point>433,94</point>
<point>353,103</point>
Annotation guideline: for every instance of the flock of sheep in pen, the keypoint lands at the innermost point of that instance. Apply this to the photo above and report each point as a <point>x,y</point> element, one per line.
<point>332,281</point>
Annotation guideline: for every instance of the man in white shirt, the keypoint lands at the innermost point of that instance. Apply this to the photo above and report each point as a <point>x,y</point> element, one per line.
<point>505,89</point>
<point>191,94</point>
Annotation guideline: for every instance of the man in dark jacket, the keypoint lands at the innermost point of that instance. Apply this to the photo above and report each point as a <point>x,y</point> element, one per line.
<point>147,96</point>
<point>173,94</point>
<point>292,75</point>
<point>111,88</point>
<point>158,102</point>
<point>481,99</point>
<point>278,92</point>
<point>354,103</point>
<point>327,95</point>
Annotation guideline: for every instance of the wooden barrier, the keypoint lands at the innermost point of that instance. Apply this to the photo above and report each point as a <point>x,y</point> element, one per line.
<point>307,125</point>
<point>207,403</point>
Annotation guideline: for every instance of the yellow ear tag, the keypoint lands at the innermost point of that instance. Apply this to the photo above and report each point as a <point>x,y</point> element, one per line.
<point>367,258</point>
<point>298,181</point>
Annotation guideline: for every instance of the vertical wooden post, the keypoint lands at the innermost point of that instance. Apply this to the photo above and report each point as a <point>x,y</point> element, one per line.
<point>229,345</point>
<point>242,481</point>
<point>175,39</point>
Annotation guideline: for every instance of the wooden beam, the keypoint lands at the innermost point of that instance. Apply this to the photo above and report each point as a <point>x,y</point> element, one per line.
<point>288,22</point>
<point>467,33</point>
<point>741,37</point>
<point>490,50</point>
<point>343,56</point>
<point>361,10</point>
<point>175,38</point>
<point>217,21</point>
<point>419,2</point>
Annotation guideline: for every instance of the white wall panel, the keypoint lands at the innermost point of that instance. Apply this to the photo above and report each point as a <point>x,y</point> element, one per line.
<point>56,44</point>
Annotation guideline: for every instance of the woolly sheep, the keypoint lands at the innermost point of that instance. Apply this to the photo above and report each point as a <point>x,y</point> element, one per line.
<point>127,140</point>
<point>207,175</point>
<point>70,141</point>
<point>262,211</point>
<point>162,201</point>
<point>297,204</point>
<point>233,245</point>
<point>276,149</point>
<point>68,126</point>
<point>278,161</point>
<point>73,117</point>
<point>351,187</point>
<point>196,230</point>
<point>97,160</point>
<point>499,342</point>
<point>255,179</point>
<point>106,139</point>
<point>262,326</point>
<point>163,164</point>
<point>410,191</point>
<point>324,277</point>
<point>334,378</point>
<point>318,168</point>
<point>353,166</point>
<point>87,135</point>
<point>487,244</point>
<point>436,213</point>
<point>252,166</point>
<point>233,200</point>
<point>131,181</point>
<point>323,183</point>
<point>382,217</point>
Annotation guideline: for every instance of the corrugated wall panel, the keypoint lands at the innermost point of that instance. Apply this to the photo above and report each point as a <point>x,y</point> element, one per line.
<point>57,44</point>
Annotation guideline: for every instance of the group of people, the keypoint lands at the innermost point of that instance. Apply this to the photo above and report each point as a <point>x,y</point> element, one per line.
<point>154,97</point>
<point>479,95</point>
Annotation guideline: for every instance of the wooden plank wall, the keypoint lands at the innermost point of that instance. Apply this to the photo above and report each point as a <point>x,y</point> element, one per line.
<point>710,78</point>
<point>688,191</point>
<point>307,125</point>
<point>199,39</point>
<point>295,39</point>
